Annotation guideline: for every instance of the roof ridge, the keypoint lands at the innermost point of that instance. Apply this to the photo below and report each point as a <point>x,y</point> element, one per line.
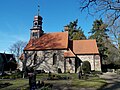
<point>85,40</point>
<point>55,32</point>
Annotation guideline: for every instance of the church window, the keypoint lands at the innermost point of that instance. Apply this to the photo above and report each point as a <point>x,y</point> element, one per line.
<point>34,33</point>
<point>70,62</point>
<point>54,59</point>
<point>35,59</point>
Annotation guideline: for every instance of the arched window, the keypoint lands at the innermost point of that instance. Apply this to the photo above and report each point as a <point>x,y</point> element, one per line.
<point>70,61</point>
<point>35,59</point>
<point>54,59</point>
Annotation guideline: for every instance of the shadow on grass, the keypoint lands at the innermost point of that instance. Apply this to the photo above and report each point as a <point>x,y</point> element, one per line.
<point>3,85</point>
<point>115,85</point>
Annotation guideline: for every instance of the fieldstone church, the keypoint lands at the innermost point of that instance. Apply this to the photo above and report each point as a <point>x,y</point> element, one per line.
<point>55,51</point>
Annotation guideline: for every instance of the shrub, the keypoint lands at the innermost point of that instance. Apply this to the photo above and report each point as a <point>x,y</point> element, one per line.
<point>59,70</point>
<point>86,67</point>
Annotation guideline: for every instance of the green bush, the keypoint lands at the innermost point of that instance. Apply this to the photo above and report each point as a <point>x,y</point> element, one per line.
<point>59,70</point>
<point>86,67</point>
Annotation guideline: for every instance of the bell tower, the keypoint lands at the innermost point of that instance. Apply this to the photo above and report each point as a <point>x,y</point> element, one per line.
<point>36,30</point>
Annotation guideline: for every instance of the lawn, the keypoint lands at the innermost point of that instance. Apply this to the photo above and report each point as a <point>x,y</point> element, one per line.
<point>91,82</point>
<point>15,84</point>
<point>72,82</point>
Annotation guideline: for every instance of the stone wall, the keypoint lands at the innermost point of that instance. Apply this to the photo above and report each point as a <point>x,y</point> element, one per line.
<point>44,60</point>
<point>70,65</point>
<point>93,59</point>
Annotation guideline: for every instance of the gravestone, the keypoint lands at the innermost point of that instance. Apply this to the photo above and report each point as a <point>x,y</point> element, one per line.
<point>79,74</point>
<point>32,78</point>
<point>32,81</point>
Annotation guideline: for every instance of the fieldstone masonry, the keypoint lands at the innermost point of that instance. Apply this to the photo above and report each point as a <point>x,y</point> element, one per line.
<point>44,61</point>
<point>93,59</point>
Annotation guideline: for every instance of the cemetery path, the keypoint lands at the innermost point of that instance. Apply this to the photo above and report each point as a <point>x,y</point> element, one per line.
<point>113,81</point>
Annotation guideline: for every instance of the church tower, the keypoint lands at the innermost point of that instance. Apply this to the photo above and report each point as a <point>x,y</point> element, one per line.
<point>36,30</point>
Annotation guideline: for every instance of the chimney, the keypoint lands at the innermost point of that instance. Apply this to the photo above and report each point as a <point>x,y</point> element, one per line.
<point>66,28</point>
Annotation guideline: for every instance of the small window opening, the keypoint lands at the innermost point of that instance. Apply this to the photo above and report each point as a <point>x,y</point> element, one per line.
<point>54,59</point>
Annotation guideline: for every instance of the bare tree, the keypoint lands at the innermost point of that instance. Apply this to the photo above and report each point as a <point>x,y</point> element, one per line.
<point>29,62</point>
<point>17,48</point>
<point>115,34</point>
<point>36,61</point>
<point>109,8</point>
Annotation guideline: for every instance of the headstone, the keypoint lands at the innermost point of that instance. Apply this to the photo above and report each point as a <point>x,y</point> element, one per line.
<point>32,81</point>
<point>79,74</point>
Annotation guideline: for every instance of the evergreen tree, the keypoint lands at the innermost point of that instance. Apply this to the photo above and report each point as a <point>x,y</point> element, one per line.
<point>99,32</point>
<point>113,56</point>
<point>74,32</point>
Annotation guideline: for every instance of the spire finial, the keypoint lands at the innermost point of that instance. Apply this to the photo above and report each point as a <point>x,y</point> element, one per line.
<point>38,8</point>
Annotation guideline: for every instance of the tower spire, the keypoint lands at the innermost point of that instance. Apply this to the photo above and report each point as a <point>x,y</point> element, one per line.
<point>38,8</point>
<point>36,30</point>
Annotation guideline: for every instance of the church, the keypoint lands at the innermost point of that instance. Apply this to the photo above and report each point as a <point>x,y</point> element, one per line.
<point>54,52</point>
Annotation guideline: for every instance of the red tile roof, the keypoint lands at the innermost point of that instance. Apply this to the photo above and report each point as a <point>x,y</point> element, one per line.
<point>69,53</point>
<point>54,41</point>
<point>59,40</point>
<point>85,47</point>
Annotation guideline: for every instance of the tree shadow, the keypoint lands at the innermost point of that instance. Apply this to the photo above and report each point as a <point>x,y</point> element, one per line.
<point>112,84</point>
<point>4,85</point>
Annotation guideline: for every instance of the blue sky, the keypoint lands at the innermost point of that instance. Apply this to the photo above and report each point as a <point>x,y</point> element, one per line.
<point>16,18</point>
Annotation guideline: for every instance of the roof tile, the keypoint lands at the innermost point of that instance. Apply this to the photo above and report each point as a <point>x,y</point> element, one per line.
<point>85,47</point>
<point>57,40</point>
<point>69,53</point>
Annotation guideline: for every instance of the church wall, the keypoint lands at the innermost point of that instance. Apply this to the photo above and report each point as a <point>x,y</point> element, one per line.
<point>45,60</point>
<point>93,59</point>
<point>70,65</point>
<point>97,63</point>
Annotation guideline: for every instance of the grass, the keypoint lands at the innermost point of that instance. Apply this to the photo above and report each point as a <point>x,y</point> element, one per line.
<point>15,84</point>
<point>92,82</point>
<point>22,84</point>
